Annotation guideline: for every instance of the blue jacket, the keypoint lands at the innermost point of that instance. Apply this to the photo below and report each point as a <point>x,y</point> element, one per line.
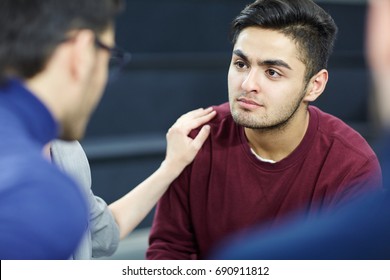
<point>43,214</point>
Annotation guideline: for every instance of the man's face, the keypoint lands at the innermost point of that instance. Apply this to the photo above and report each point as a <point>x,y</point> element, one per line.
<point>91,90</point>
<point>266,79</point>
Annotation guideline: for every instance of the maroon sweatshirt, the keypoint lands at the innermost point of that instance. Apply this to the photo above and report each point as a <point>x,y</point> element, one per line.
<point>227,188</point>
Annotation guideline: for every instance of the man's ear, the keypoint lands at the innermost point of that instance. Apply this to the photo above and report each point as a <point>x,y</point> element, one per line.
<point>316,85</point>
<point>82,54</point>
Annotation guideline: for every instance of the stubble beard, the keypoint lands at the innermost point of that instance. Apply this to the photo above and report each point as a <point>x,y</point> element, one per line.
<point>247,119</point>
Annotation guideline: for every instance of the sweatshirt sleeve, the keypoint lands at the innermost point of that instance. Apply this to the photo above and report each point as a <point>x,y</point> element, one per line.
<point>172,235</point>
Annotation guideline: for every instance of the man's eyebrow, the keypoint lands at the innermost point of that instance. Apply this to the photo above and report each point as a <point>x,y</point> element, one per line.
<point>241,54</point>
<point>275,62</point>
<point>268,62</point>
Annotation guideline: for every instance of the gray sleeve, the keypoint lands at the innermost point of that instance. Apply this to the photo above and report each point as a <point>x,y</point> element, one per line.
<point>104,229</point>
<point>104,232</point>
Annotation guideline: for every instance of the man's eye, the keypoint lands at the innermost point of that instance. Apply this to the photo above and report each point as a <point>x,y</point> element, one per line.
<point>240,64</point>
<point>273,73</point>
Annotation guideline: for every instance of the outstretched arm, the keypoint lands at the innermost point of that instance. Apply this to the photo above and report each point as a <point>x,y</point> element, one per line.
<point>132,208</point>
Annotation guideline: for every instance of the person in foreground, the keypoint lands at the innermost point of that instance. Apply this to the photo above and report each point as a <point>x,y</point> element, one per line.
<point>107,225</point>
<point>359,230</point>
<point>53,68</point>
<point>269,153</point>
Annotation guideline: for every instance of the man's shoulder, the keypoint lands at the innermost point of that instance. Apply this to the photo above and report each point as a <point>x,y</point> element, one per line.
<point>223,113</point>
<point>32,169</point>
<point>32,181</point>
<point>223,109</point>
<point>70,157</point>
<point>333,129</point>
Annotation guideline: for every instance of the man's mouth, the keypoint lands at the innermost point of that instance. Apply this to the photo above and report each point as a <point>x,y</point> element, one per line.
<point>248,103</point>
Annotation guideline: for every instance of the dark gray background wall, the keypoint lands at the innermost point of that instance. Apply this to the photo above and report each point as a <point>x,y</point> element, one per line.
<point>180,56</point>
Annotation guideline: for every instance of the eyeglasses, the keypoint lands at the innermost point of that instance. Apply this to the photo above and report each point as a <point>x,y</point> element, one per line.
<point>118,59</point>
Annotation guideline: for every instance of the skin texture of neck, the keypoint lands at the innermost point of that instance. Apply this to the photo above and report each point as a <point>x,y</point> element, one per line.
<point>277,143</point>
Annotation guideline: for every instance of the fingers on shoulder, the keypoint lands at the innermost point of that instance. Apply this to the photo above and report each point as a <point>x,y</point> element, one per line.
<point>199,140</point>
<point>194,119</point>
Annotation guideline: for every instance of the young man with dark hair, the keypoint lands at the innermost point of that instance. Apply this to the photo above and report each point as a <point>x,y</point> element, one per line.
<point>357,231</point>
<point>269,153</point>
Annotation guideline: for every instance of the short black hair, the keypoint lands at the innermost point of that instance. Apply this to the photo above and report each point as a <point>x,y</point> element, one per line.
<point>307,24</point>
<point>30,30</point>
